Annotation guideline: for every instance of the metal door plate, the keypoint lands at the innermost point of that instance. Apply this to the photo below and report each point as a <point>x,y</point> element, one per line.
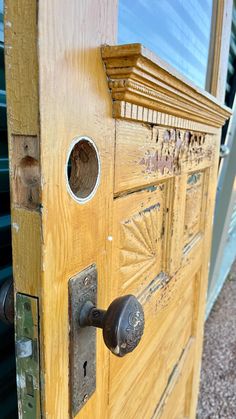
<point>82,288</point>
<point>27,356</point>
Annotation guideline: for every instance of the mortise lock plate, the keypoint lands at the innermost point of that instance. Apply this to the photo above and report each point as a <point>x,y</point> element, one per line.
<point>122,325</point>
<point>27,356</point>
<point>26,347</point>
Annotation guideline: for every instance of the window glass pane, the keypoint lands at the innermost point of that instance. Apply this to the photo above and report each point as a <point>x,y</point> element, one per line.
<point>178,31</point>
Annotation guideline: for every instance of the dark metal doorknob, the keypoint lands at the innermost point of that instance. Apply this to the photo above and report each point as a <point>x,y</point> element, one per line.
<point>7,302</point>
<point>122,323</point>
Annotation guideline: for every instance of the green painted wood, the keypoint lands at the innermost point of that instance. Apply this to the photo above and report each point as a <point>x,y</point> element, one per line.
<point>224,232</point>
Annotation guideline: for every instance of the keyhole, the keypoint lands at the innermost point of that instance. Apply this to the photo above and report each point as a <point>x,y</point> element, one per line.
<point>85,368</point>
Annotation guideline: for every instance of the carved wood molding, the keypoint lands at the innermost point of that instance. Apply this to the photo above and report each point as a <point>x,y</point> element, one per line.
<point>131,111</point>
<point>137,77</point>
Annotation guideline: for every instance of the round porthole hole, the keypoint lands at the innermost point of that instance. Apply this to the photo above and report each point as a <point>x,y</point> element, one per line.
<point>83,169</point>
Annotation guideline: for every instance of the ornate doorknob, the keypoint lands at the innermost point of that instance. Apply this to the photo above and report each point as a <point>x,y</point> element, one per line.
<point>122,323</point>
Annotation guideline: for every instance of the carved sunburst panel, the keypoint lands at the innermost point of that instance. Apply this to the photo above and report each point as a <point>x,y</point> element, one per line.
<point>139,249</point>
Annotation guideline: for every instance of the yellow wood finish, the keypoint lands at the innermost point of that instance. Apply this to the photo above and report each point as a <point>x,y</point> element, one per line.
<point>145,84</point>
<point>148,227</point>
<point>60,237</point>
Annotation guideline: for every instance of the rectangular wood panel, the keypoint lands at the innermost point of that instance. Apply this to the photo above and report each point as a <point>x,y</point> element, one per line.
<point>173,403</point>
<point>195,205</point>
<point>147,153</point>
<point>168,306</point>
<point>138,237</point>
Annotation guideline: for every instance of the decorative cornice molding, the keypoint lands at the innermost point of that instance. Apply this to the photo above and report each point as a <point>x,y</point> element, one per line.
<point>137,77</point>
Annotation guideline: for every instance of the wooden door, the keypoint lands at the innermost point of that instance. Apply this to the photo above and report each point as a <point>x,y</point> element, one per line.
<point>136,200</point>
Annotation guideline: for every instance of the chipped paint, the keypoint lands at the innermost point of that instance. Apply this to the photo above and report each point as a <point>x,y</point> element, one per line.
<point>156,206</point>
<point>151,188</point>
<point>174,148</point>
<point>193,179</point>
<point>151,208</point>
<point>160,281</point>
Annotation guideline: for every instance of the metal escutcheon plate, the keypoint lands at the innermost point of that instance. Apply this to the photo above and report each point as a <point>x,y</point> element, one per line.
<point>82,287</point>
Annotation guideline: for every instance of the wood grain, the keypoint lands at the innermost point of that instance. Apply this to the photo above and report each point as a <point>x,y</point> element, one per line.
<point>169,325</point>
<point>172,404</point>
<point>54,55</point>
<point>26,243</point>
<point>74,94</point>
<point>22,66</point>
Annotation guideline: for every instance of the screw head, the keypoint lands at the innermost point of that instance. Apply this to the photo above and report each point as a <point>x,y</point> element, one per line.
<point>24,348</point>
<point>85,398</point>
<point>86,280</point>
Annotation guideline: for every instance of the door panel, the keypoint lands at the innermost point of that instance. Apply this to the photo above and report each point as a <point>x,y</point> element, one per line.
<point>193,206</point>
<point>151,152</point>
<point>159,353</point>
<point>138,237</point>
<point>120,119</point>
<point>173,403</point>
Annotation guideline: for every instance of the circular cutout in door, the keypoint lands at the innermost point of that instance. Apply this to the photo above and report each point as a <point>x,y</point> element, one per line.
<point>83,169</point>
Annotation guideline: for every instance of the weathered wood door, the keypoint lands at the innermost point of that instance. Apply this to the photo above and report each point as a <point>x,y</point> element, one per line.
<point>113,162</point>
